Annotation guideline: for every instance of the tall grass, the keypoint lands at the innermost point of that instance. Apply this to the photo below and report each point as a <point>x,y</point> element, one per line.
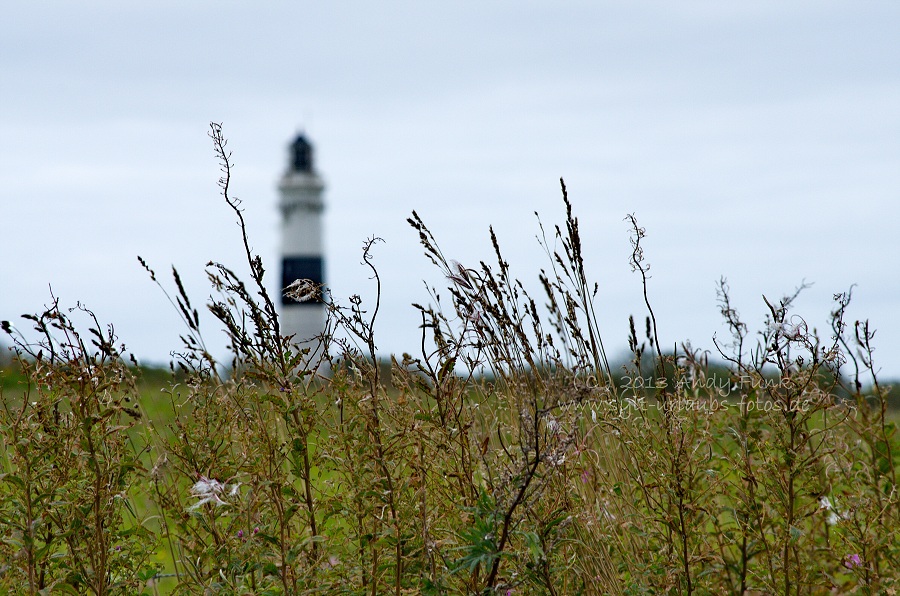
<point>505,456</point>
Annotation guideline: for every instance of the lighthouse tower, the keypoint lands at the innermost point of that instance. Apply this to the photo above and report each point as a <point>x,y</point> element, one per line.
<point>301,242</point>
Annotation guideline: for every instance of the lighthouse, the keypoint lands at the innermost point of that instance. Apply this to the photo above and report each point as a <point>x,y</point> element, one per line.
<point>301,209</point>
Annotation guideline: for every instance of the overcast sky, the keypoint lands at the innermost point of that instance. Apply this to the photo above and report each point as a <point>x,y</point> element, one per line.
<point>757,140</point>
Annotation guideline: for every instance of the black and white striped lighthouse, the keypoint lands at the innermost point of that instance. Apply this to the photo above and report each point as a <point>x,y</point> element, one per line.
<point>301,242</point>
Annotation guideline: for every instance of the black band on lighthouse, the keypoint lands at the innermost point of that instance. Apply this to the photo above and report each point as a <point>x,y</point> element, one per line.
<point>294,268</point>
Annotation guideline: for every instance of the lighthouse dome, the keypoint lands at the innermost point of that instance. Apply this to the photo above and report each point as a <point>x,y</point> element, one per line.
<point>301,154</point>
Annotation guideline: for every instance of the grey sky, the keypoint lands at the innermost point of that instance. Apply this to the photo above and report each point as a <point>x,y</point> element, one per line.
<point>760,141</point>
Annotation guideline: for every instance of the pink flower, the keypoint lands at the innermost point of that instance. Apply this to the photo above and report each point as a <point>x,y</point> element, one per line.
<point>851,561</point>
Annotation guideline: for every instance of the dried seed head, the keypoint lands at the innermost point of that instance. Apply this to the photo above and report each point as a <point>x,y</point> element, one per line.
<point>459,275</point>
<point>303,290</point>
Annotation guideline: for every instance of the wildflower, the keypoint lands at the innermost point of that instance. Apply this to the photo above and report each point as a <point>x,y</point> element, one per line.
<point>851,561</point>
<point>240,533</point>
<point>834,516</point>
<point>825,503</point>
